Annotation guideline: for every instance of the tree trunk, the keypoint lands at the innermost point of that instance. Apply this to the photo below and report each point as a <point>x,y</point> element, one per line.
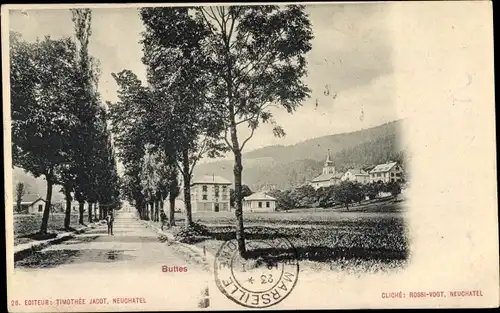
<point>162,205</point>
<point>153,210</point>
<point>157,204</point>
<point>46,211</point>
<point>187,188</point>
<point>67,215</point>
<point>90,212</point>
<point>238,210</point>
<point>81,209</point>
<point>97,210</point>
<point>171,212</point>
<point>138,208</point>
<point>101,215</point>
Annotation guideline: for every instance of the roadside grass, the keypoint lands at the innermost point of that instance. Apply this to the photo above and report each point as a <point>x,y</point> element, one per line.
<point>26,226</point>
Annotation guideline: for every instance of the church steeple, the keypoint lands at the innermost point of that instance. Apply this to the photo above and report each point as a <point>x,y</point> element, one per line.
<point>328,159</point>
<point>329,167</point>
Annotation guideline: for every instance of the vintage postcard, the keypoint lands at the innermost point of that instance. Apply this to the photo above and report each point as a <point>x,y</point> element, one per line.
<point>275,156</point>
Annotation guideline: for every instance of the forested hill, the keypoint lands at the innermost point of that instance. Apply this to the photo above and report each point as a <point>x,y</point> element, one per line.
<point>288,166</point>
<point>34,186</point>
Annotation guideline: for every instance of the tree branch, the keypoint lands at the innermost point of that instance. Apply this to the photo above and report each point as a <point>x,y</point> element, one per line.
<point>179,167</point>
<point>233,20</point>
<point>248,138</point>
<point>215,17</point>
<point>206,11</point>
<point>203,11</point>
<point>257,62</point>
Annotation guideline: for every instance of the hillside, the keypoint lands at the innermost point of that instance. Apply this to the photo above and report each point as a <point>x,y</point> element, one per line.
<point>34,185</point>
<point>287,166</point>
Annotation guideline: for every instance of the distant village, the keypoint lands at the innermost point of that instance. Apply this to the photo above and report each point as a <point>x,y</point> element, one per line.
<point>212,193</point>
<point>387,172</point>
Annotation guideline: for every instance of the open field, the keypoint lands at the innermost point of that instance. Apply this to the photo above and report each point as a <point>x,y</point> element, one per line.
<point>330,238</point>
<point>317,216</point>
<point>26,224</point>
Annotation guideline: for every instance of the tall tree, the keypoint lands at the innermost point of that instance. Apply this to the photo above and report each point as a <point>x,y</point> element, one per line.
<point>42,76</point>
<point>346,192</point>
<point>257,56</point>
<point>186,120</point>
<point>88,105</point>
<point>20,192</point>
<point>149,181</point>
<point>129,129</point>
<point>106,176</point>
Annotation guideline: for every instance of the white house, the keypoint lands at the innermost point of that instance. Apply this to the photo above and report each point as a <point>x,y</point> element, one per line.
<point>209,193</point>
<point>328,177</point>
<point>387,172</point>
<point>259,202</point>
<point>32,204</point>
<point>357,175</point>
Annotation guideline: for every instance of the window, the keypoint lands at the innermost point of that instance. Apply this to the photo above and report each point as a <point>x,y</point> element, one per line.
<point>260,204</point>
<point>204,188</point>
<point>224,188</point>
<point>204,197</point>
<point>40,208</point>
<point>392,174</point>
<point>392,179</point>
<point>267,204</point>
<point>398,174</point>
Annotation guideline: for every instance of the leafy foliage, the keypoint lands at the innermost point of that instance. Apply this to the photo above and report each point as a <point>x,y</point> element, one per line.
<point>183,122</point>
<point>58,124</point>
<point>20,192</point>
<point>284,199</point>
<point>257,58</point>
<point>245,192</point>
<point>345,193</point>
<point>127,116</point>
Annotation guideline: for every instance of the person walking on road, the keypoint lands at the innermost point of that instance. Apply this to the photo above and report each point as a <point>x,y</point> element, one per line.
<point>110,219</point>
<point>163,218</point>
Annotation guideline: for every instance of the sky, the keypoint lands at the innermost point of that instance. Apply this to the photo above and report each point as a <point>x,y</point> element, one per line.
<point>350,67</point>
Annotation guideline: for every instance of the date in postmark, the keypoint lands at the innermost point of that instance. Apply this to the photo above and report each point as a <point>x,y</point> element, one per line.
<point>264,278</point>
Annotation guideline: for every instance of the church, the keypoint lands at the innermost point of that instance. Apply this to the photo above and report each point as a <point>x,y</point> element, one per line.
<point>329,176</point>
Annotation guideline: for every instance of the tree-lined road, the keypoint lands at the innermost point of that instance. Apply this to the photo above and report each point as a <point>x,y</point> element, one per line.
<point>128,264</point>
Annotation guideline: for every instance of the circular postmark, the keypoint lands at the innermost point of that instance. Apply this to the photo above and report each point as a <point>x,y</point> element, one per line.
<point>264,278</point>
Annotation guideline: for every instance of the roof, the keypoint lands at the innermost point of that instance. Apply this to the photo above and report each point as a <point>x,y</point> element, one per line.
<point>383,167</point>
<point>210,179</point>
<point>357,171</point>
<point>259,196</point>
<point>30,199</point>
<point>326,177</point>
